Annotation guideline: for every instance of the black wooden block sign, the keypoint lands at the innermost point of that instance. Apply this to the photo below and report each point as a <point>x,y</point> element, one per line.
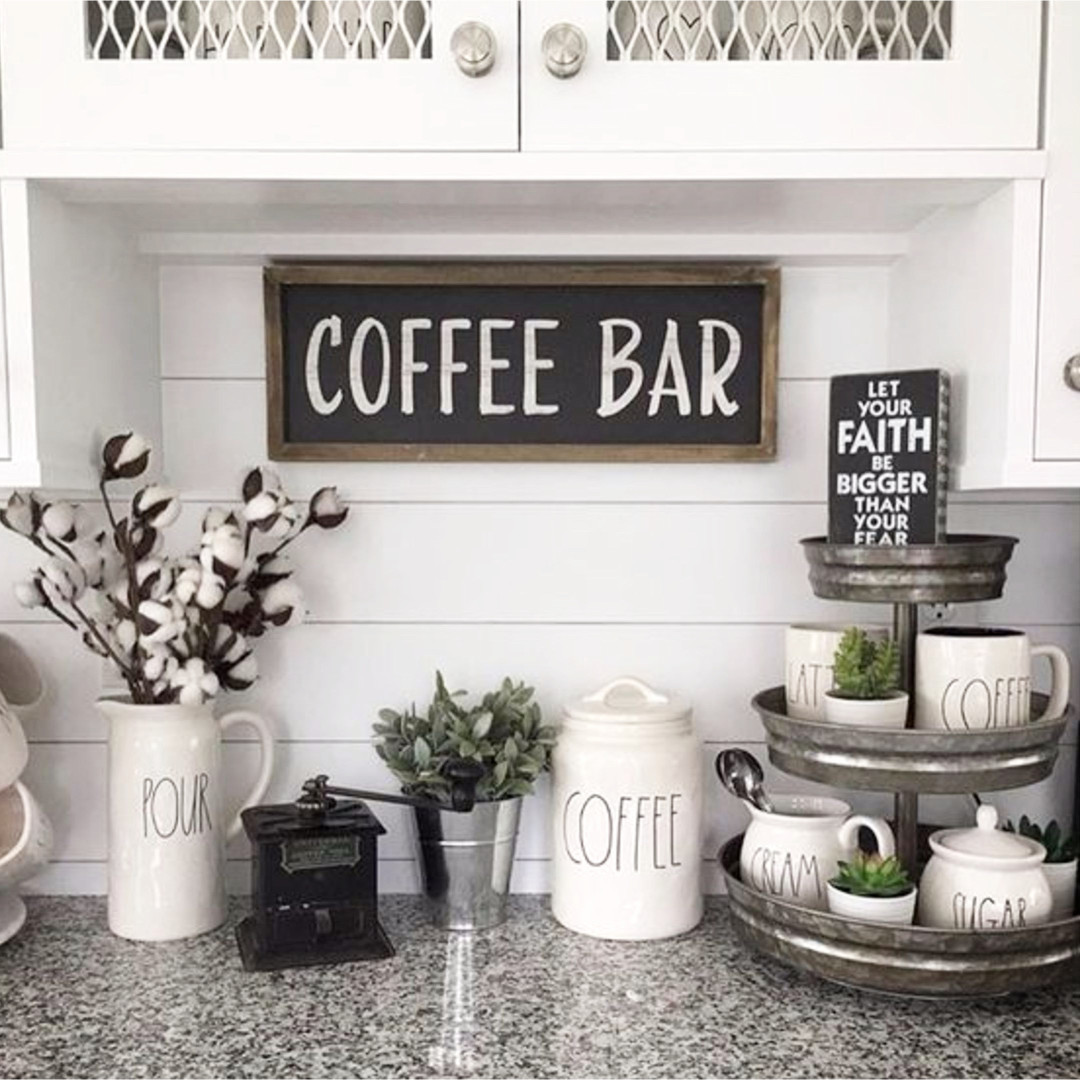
<point>478,361</point>
<point>888,458</point>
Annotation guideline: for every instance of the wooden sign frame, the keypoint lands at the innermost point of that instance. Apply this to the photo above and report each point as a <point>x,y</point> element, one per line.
<point>659,275</point>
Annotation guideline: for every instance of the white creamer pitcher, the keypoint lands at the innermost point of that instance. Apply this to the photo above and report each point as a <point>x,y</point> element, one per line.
<point>792,854</point>
<point>167,821</point>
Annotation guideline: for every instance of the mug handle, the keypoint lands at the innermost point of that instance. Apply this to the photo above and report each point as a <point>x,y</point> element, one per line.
<point>848,833</point>
<point>266,762</point>
<point>1059,671</point>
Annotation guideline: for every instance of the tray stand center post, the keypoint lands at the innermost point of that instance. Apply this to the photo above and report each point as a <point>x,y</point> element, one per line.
<point>906,803</point>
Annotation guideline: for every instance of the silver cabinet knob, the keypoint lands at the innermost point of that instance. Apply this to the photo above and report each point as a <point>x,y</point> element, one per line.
<point>1072,372</point>
<point>564,48</point>
<point>473,46</point>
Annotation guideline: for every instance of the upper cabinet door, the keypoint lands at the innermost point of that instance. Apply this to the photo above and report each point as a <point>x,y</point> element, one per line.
<point>1057,402</point>
<point>779,74</point>
<point>259,74</point>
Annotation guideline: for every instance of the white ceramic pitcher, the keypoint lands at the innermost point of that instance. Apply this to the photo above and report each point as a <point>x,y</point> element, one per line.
<point>794,852</point>
<point>167,823</point>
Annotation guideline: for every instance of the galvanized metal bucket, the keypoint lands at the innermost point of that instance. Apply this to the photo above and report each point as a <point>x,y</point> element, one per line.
<point>465,862</point>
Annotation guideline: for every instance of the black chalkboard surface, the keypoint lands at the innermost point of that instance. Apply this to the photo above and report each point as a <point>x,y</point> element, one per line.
<point>888,457</point>
<point>493,361</point>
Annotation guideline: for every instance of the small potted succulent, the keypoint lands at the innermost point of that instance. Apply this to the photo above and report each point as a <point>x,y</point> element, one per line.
<point>873,888</point>
<point>866,677</point>
<point>466,858</point>
<point>1059,866</point>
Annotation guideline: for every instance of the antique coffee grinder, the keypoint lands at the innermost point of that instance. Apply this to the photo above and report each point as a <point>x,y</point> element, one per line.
<point>314,881</point>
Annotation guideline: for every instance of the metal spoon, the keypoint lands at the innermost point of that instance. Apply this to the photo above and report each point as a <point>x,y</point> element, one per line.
<point>742,775</point>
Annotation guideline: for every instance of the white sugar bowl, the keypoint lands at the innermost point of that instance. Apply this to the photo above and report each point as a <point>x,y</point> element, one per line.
<point>983,879</point>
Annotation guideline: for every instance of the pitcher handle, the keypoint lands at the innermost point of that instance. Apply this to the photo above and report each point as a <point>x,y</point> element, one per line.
<point>266,762</point>
<point>848,834</point>
<point>1059,671</point>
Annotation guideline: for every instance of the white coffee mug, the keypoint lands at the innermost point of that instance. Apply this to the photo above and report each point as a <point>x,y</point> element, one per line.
<point>26,836</point>
<point>792,854</point>
<point>809,649</point>
<point>971,678</point>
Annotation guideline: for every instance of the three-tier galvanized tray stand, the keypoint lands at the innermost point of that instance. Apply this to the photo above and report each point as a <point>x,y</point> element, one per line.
<point>907,960</point>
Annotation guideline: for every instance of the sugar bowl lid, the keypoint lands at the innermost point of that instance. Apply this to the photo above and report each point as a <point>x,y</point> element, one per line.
<point>629,701</point>
<point>987,842</point>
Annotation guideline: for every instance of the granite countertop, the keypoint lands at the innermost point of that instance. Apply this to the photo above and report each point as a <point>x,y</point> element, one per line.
<point>528,999</point>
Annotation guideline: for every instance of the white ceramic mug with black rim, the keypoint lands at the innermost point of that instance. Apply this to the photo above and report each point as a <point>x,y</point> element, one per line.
<point>975,678</point>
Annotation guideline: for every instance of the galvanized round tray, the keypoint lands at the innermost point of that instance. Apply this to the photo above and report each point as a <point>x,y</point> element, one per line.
<point>925,762</point>
<point>964,568</point>
<point>911,960</point>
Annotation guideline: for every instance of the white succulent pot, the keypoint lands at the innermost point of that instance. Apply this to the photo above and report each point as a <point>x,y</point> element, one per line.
<point>898,910</point>
<point>890,712</point>
<point>1061,877</point>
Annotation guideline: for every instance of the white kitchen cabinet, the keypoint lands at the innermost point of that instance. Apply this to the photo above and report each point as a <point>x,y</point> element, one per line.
<point>1057,398</point>
<point>259,74</point>
<point>80,338</point>
<point>1001,281</point>
<point>597,75</point>
<point>710,75</point>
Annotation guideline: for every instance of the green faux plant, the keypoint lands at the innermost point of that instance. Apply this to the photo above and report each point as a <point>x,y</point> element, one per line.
<point>504,733</point>
<point>1059,847</point>
<point>873,875</point>
<point>864,668</point>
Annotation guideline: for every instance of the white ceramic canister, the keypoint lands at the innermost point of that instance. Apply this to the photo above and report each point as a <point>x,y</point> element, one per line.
<point>626,815</point>
<point>984,879</point>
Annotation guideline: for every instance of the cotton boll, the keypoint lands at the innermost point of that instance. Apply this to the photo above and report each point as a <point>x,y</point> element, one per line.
<point>29,593</point>
<point>262,510</point>
<point>125,456</point>
<point>91,558</point>
<point>282,604</point>
<point>223,552</point>
<point>241,675</point>
<point>187,583</point>
<point>158,506</point>
<point>160,664</point>
<point>63,578</point>
<point>326,509</point>
<point>22,514</point>
<point>58,521</point>
<point>156,623</point>
<point>126,634</point>
<point>258,480</point>
<point>286,523</point>
<point>194,682</point>
<point>215,517</point>
<point>211,592</point>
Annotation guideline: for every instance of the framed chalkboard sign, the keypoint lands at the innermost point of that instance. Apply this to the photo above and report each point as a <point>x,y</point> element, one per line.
<point>533,362</point>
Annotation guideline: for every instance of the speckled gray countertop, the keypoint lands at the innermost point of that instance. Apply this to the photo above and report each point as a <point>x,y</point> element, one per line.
<point>528,999</point>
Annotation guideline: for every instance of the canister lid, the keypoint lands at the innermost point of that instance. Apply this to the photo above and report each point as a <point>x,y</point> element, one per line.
<point>986,839</point>
<point>628,700</point>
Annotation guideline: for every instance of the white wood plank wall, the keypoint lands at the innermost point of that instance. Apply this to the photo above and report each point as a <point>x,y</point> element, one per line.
<point>565,575</point>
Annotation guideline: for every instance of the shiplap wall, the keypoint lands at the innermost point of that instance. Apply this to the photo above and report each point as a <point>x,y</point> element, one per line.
<point>565,575</point>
